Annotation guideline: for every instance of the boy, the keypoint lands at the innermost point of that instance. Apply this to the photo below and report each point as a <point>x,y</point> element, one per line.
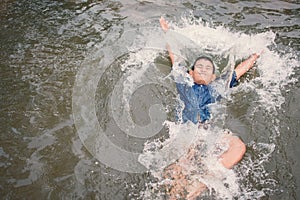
<point>196,99</point>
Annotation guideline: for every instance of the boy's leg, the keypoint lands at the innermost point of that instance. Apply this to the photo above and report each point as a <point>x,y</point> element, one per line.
<point>194,189</point>
<point>177,181</point>
<point>235,152</point>
<point>180,186</point>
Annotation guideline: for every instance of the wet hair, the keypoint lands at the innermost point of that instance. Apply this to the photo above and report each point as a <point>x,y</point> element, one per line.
<point>204,58</point>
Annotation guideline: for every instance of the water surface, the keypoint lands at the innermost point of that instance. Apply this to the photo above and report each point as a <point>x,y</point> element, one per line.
<point>45,44</point>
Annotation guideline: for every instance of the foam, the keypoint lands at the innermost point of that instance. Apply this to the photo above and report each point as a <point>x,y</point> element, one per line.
<point>273,75</point>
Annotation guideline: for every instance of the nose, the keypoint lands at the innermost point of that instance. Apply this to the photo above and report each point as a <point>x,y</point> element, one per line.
<point>202,69</point>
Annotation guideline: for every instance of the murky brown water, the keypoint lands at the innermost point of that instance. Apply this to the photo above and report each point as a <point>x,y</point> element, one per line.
<point>43,45</point>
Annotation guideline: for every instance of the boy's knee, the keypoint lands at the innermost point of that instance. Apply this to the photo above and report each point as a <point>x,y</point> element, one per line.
<point>239,145</point>
<point>235,152</point>
<point>243,147</point>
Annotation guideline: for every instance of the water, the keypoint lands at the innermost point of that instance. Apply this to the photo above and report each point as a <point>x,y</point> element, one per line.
<point>47,45</point>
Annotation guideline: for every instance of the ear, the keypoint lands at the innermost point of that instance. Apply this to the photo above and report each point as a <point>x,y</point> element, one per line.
<point>191,72</point>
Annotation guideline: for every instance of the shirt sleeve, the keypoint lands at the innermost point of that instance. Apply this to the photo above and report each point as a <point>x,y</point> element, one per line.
<point>233,81</point>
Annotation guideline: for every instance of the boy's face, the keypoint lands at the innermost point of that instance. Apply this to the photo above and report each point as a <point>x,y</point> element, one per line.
<point>203,72</point>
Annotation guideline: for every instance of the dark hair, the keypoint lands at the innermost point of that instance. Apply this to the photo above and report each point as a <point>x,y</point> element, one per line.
<point>204,58</point>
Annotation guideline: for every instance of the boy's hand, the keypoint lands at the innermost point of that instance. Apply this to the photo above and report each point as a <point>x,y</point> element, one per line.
<point>164,24</point>
<point>257,55</point>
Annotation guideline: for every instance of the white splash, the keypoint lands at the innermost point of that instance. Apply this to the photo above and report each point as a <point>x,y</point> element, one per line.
<point>188,41</point>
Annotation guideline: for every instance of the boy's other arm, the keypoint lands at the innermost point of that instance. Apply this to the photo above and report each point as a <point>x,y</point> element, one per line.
<point>164,25</point>
<point>246,65</point>
<point>171,55</point>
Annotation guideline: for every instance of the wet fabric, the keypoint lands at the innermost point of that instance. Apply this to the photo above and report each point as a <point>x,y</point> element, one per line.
<point>196,100</point>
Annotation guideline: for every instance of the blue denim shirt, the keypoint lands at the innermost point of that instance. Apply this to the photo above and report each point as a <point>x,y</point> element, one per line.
<point>197,98</point>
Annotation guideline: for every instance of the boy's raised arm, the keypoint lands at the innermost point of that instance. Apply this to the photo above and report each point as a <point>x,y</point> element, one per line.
<point>165,26</point>
<point>246,65</point>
